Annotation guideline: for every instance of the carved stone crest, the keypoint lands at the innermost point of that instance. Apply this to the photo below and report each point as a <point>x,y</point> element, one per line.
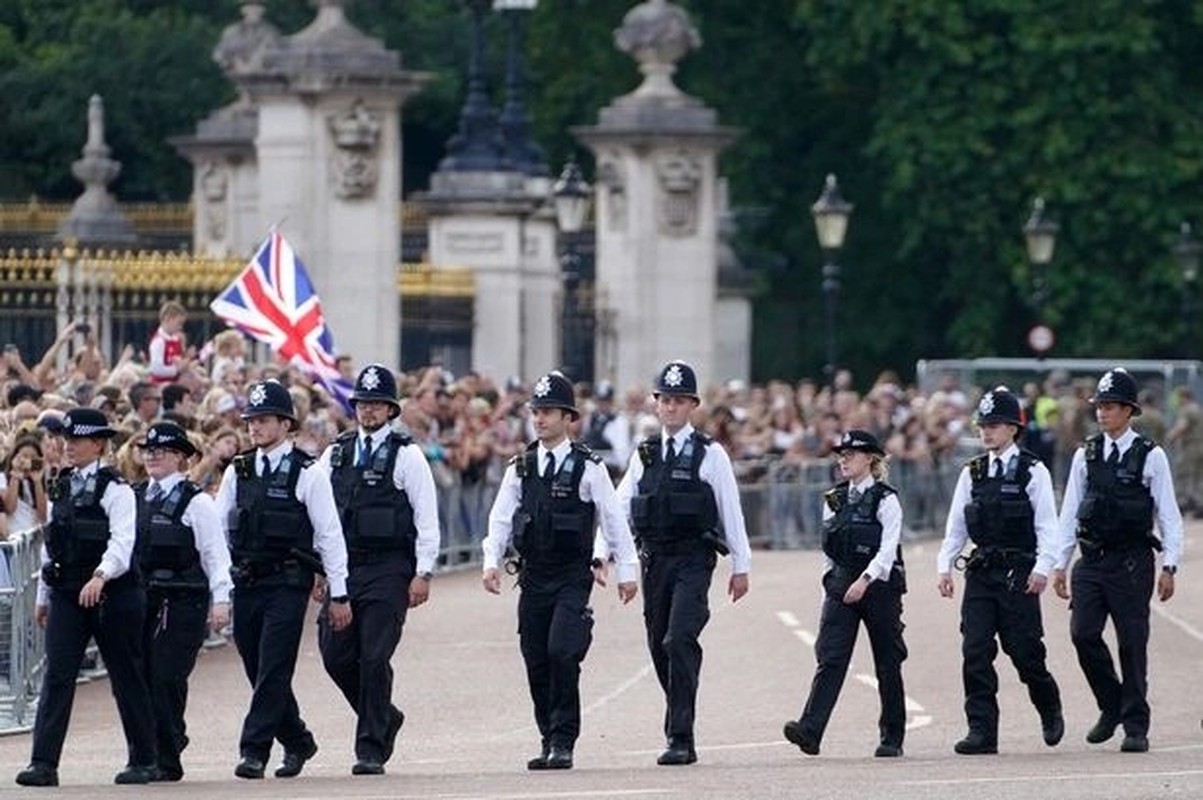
<point>680,176</point>
<point>354,163</point>
<point>610,175</point>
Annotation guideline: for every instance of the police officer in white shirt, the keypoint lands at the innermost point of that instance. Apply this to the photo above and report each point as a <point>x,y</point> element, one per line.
<point>681,493</point>
<point>550,502</point>
<point>1119,482</point>
<point>385,494</point>
<point>1004,503</point>
<point>185,565</point>
<point>283,527</point>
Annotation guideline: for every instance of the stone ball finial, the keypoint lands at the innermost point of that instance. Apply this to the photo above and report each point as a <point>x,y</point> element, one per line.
<point>657,34</point>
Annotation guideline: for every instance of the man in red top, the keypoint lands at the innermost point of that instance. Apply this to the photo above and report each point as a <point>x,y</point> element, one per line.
<point>168,357</point>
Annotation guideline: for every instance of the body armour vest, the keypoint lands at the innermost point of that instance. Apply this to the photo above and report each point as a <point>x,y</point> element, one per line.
<point>852,535</point>
<point>672,503</point>
<point>595,434</point>
<point>78,532</point>
<point>999,514</point>
<point>167,553</point>
<point>552,524</point>
<point>270,525</point>
<point>375,514</point>
<point>1117,508</point>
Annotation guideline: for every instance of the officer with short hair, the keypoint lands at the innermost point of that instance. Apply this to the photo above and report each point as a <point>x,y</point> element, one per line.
<point>551,500</point>
<point>283,527</point>
<point>185,565</point>
<point>1119,482</point>
<point>1004,504</point>
<point>681,493</point>
<point>386,499</point>
<point>863,581</point>
<point>90,590</point>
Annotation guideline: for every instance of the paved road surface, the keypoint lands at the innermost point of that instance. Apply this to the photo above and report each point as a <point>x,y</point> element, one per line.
<point>470,731</point>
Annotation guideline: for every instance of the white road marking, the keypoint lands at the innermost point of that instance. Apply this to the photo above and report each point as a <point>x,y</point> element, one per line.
<point>917,720</point>
<point>1186,627</point>
<point>618,690</point>
<point>787,619</point>
<point>523,795</point>
<point>1044,778</point>
<point>806,636</point>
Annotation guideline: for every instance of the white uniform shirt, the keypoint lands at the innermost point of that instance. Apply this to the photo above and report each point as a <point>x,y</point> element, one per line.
<point>715,470</point>
<point>119,506</point>
<point>412,475</point>
<point>1156,476</point>
<point>889,514</point>
<point>208,535</point>
<point>1044,514</point>
<point>595,488</point>
<point>315,493</point>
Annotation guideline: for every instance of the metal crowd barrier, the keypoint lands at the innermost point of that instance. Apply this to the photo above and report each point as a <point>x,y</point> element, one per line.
<point>22,642</point>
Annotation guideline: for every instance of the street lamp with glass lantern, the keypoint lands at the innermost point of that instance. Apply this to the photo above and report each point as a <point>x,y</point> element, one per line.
<point>1040,236</point>
<point>571,196</point>
<point>1186,253</point>
<point>831,214</point>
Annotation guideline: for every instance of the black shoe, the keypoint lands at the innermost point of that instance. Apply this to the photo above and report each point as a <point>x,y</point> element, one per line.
<point>38,775</point>
<point>807,742</point>
<point>249,767</point>
<point>976,744</point>
<point>888,751</point>
<point>1103,730</point>
<point>1135,743</point>
<point>1053,728</point>
<point>294,762</point>
<point>559,758</point>
<point>677,754</point>
<point>133,774</point>
<point>367,766</point>
<point>390,736</point>
<point>169,773</point>
<point>540,761</point>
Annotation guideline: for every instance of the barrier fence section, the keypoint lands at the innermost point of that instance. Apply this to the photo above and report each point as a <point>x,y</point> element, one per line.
<point>22,641</point>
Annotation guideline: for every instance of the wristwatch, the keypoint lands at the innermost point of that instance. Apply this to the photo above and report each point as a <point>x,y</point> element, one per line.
<point>1170,568</point>
<point>597,563</point>
<point>426,576</point>
<point>342,598</point>
<point>99,573</point>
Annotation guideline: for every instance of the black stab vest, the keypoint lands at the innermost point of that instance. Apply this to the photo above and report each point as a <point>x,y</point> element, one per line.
<point>376,516</point>
<point>1117,508</point>
<point>552,524</point>
<point>270,524</point>
<point>672,504</point>
<point>78,532</point>
<point>167,554</point>
<point>852,535</point>
<point>999,515</point>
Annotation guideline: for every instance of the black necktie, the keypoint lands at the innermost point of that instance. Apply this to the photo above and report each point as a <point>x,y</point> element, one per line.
<point>267,466</point>
<point>365,452</point>
<point>550,471</point>
<point>998,468</point>
<point>1113,458</point>
<point>671,453</point>
<point>854,495</point>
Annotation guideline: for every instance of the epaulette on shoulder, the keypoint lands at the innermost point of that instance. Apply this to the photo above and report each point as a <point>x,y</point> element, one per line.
<point>587,452</point>
<point>886,488</point>
<point>112,475</point>
<point>402,438</point>
<point>347,436</point>
<point>303,458</point>
<point>704,438</point>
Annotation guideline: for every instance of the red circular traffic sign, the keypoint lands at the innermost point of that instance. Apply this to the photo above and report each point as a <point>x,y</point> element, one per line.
<point>1040,338</point>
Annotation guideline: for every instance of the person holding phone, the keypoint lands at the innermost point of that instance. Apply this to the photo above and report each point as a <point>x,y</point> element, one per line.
<point>25,485</point>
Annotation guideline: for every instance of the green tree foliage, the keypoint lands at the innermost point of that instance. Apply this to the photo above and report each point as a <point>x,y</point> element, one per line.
<point>942,119</point>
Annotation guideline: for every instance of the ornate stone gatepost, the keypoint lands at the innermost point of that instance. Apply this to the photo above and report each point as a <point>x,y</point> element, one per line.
<point>657,210</point>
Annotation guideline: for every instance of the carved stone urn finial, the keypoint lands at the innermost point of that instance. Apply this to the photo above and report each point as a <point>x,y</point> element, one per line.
<point>657,34</point>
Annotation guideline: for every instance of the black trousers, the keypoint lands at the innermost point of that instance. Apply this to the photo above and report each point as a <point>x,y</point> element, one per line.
<point>176,625</point>
<point>996,608</point>
<point>1118,585</point>
<point>268,621</point>
<point>358,658</point>
<point>555,629</point>
<point>880,610</point>
<point>676,608</point>
<point>116,624</point>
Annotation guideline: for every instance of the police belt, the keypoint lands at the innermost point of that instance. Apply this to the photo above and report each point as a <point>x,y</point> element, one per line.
<point>999,558</point>
<point>248,572</point>
<point>170,581</point>
<point>363,558</point>
<point>1095,550</point>
<point>674,547</point>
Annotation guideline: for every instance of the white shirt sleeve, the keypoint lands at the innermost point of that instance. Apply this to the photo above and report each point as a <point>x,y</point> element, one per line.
<point>120,507</point>
<point>209,535</point>
<point>623,494</point>
<point>1070,500</point>
<point>1044,513</point>
<point>412,475</point>
<point>955,532</point>
<point>1158,478</point>
<point>315,492</point>
<point>597,489</point>
<point>889,514</point>
<point>716,470</point>
<point>501,518</point>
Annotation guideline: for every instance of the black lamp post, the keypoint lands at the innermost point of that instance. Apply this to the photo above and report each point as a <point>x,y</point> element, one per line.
<point>1186,252</point>
<point>523,154</point>
<point>831,213</point>
<point>1040,235</point>
<point>477,145</point>
<point>572,195</point>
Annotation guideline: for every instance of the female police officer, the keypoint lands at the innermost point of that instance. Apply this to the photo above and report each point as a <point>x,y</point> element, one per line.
<point>863,581</point>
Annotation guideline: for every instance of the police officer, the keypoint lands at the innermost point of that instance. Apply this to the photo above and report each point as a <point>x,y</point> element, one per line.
<point>1004,503</point>
<point>90,589</point>
<point>386,499</point>
<point>278,511</point>
<point>1118,483</point>
<point>550,501</point>
<point>185,565</point>
<point>684,506</point>
<point>863,581</point>
<point>607,431</point>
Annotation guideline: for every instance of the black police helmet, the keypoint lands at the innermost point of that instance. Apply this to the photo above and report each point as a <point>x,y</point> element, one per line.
<point>1000,405</point>
<point>553,390</point>
<point>860,441</point>
<point>376,384</point>
<point>1117,386</point>
<point>269,397</point>
<point>86,423</point>
<point>677,378</point>
<point>168,436</point>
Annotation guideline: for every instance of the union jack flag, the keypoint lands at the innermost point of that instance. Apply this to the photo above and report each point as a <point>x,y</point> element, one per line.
<point>273,301</point>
